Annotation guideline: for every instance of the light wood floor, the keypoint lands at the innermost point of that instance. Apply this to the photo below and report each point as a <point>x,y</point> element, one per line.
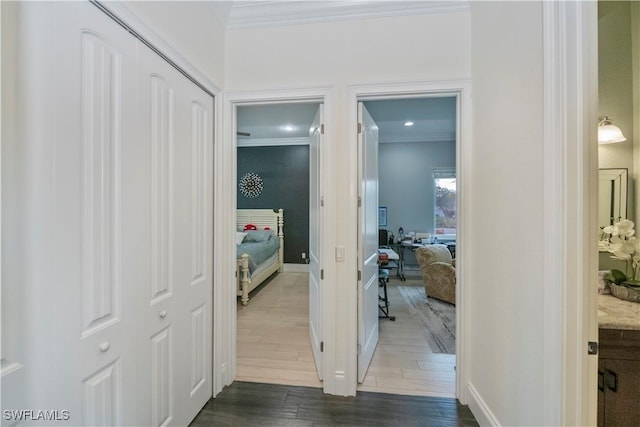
<point>273,344</point>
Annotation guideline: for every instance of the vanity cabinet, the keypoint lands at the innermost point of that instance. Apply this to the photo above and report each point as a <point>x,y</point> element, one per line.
<point>619,377</point>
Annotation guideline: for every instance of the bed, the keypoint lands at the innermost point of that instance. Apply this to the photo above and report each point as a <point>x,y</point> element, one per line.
<point>260,253</point>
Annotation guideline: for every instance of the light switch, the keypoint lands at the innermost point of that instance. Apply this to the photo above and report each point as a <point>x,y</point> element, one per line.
<point>339,253</point>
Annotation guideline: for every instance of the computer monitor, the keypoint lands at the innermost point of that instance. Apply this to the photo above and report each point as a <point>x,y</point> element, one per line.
<point>383,237</point>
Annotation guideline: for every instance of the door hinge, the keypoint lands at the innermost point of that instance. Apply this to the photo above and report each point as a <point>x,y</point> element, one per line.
<point>600,380</point>
<point>359,201</point>
<point>611,380</point>
<point>322,274</point>
<point>359,275</point>
<point>359,349</point>
<point>592,347</point>
<point>322,129</point>
<point>321,346</point>
<point>359,128</point>
<point>322,201</point>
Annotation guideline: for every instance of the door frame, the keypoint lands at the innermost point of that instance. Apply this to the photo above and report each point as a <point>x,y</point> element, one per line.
<point>461,89</point>
<point>225,305</point>
<point>570,49</point>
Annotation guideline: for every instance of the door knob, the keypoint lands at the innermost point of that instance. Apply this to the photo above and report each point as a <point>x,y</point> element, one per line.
<point>105,346</point>
<point>163,314</point>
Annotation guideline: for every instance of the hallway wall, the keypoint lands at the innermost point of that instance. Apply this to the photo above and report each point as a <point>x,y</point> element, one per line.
<point>499,47</point>
<point>337,55</point>
<point>189,27</point>
<point>506,239</point>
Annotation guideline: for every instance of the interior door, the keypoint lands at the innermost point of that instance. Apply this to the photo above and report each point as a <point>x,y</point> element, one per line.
<point>174,345</point>
<point>117,174</point>
<point>85,344</point>
<point>315,231</point>
<point>367,240</point>
<point>78,148</point>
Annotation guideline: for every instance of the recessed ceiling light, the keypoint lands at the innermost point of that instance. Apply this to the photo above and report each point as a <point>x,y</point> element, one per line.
<point>289,128</point>
<point>409,123</point>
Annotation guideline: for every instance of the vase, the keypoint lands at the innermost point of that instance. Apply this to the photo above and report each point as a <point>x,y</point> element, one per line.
<point>625,293</point>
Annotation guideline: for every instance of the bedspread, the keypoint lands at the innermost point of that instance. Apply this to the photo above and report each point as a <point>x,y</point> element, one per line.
<point>258,251</point>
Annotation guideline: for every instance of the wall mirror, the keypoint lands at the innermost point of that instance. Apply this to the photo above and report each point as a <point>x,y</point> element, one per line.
<point>612,196</point>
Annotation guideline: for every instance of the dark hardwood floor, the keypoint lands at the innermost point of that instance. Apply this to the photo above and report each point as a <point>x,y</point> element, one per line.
<point>255,404</point>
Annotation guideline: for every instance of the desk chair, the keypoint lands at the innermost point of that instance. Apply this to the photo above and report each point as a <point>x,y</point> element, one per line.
<point>383,279</point>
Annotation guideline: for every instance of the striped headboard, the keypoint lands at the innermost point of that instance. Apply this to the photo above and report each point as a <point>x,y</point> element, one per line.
<point>261,218</point>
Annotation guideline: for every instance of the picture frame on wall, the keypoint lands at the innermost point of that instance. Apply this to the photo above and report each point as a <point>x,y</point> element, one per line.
<point>382,216</point>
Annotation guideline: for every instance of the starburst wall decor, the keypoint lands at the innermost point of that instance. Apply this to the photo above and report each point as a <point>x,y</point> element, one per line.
<point>251,185</point>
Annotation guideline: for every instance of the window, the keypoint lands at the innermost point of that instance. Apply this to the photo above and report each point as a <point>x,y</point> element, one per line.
<point>445,201</point>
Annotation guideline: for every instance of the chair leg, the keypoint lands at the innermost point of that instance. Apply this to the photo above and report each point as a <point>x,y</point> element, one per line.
<point>384,307</point>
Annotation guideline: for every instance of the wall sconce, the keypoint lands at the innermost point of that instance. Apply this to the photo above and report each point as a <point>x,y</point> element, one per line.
<point>609,133</point>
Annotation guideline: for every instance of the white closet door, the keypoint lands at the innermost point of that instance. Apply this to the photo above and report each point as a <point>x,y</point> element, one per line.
<point>175,338</point>
<point>83,128</point>
<point>115,161</point>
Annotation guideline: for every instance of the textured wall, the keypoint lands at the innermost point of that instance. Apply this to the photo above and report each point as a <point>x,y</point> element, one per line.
<point>285,174</point>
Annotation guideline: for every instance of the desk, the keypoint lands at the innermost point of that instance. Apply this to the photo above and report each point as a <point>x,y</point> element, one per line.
<point>393,255</point>
<point>402,246</point>
<point>394,260</point>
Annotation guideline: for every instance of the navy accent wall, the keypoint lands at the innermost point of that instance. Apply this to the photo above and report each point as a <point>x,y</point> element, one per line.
<point>285,175</point>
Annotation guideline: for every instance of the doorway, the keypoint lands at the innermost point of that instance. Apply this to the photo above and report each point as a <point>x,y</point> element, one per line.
<point>459,98</point>
<point>279,330</point>
<point>416,191</point>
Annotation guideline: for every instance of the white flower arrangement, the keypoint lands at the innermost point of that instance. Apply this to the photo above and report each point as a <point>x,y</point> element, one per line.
<point>620,240</point>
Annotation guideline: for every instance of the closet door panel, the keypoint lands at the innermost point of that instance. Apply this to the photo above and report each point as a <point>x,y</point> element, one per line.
<point>179,293</point>
<point>101,396</point>
<point>83,346</point>
<point>115,148</point>
<point>161,146</point>
<point>156,296</point>
<point>197,225</point>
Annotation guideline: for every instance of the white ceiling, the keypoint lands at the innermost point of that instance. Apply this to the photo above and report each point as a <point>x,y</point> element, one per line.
<point>268,121</point>
<point>434,120</point>
<point>249,13</point>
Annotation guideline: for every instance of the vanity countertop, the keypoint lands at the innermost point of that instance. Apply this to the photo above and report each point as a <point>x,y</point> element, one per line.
<point>614,313</point>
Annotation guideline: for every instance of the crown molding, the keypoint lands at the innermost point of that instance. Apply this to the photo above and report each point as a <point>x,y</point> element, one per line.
<point>247,14</point>
<point>272,142</point>
<point>442,137</point>
<point>221,10</point>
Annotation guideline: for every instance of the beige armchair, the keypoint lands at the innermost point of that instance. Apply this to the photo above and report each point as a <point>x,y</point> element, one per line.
<point>438,272</point>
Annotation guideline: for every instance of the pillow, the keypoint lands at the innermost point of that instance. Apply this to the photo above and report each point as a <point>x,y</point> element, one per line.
<point>258,236</point>
<point>240,237</point>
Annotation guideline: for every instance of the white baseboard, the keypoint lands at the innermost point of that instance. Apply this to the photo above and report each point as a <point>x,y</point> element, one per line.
<point>479,408</point>
<point>296,268</point>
